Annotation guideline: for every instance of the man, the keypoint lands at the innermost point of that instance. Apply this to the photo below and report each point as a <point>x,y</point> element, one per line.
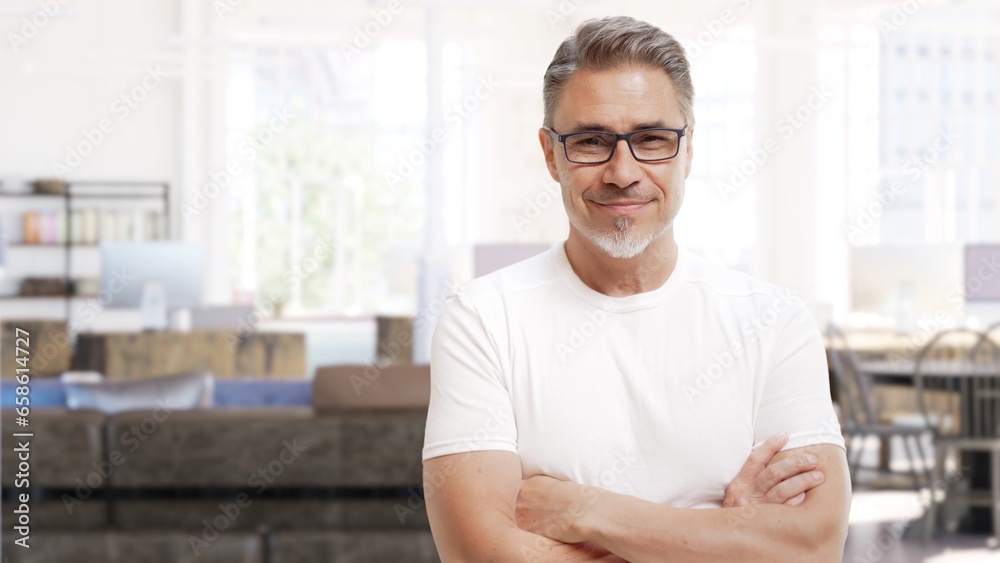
<point>617,397</point>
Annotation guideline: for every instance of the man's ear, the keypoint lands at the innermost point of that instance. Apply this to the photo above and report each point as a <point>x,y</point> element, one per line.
<point>548,148</point>
<point>689,150</point>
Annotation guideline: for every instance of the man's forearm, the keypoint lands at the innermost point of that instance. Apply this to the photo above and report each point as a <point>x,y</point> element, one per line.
<point>515,545</point>
<point>641,531</point>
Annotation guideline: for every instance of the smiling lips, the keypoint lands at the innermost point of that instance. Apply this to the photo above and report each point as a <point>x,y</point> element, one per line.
<point>624,206</point>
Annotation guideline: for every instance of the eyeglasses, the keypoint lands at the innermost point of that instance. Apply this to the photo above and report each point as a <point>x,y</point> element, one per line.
<point>597,147</point>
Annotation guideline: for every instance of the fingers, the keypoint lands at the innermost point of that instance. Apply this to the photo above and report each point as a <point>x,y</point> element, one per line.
<point>793,487</point>
<point>761,455</point>
<point>745,482</point>
<point>797,500</point>
<point>785,469</point>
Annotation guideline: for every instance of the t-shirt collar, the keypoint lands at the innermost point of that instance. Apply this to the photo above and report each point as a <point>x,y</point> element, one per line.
<point>625,304</point>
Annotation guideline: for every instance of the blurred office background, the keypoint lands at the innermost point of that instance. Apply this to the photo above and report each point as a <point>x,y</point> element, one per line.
<point>284,191</point>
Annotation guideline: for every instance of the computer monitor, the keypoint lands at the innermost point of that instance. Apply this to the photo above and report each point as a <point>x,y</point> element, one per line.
<point>488,258</point>
<point>905,282</point>
<point>153,276</point>
<point>982,280</point>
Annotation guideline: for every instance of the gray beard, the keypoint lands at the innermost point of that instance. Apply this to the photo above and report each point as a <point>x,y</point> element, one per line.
<point>624,242</point>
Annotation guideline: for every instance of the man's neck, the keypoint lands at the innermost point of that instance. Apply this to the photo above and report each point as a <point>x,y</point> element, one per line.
<point>621,277</point>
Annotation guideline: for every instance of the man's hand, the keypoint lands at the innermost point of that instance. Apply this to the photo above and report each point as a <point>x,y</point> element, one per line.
<point>781,482</point>
<point>549,507</point>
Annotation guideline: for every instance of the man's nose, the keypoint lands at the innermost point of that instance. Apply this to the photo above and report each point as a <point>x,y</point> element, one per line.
<point>623,169</point>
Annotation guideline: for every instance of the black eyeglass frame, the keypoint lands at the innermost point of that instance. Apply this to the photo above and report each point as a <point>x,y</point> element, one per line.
<point>618,137</point>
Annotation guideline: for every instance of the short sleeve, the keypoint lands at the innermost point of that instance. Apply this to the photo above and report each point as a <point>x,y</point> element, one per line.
<point>795,396</point>
<point>470,407</point>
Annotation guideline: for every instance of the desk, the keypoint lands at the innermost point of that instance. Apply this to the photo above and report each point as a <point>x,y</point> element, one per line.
<point>900,373</point>
<point>871,345</point>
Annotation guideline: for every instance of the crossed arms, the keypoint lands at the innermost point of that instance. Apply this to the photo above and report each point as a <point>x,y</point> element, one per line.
<point>481,510</point>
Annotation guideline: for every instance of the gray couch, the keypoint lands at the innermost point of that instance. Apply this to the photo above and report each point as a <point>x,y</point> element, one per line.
<point>224,485</point>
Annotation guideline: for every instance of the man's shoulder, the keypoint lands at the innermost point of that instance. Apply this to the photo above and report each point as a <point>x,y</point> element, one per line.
<point>726,282</point>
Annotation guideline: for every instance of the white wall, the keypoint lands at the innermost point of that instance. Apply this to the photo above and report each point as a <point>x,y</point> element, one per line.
<point>65,80</point>
<point>60,84</point>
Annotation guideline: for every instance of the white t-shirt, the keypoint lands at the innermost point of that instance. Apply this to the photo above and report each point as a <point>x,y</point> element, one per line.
<point>659,395</point>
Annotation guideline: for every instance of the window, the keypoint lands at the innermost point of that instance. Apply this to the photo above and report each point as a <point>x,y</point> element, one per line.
<point>719,213</point>
<point>332,206</point>
<point>938,122</point>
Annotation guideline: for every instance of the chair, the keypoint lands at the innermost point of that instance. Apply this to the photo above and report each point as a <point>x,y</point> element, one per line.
<point>859,416</point>
<point>957,377</point>
<point>993,331</point>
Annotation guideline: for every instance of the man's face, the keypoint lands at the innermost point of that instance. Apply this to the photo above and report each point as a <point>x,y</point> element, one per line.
<point>623,204</point>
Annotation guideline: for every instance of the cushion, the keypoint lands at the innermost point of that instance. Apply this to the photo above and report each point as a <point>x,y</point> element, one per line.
<point>372,387</point>
<point>180,391</point>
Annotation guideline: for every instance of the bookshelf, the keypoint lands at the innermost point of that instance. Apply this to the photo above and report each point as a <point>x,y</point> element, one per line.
<point>75,218</point>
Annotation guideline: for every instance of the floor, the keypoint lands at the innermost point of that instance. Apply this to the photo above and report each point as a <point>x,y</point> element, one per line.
<point>886,527</point>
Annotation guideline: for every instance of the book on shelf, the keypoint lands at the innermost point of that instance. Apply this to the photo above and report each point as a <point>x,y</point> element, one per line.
<point>62,233</point>
<point>116,190</point>
<point>76,226</point>
<point>43,227</point>
<point>106,226</point>
<point>29,223</point>
<point>92,226</point>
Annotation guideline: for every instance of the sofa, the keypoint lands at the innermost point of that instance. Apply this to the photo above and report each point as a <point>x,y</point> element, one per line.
<point>249,485</point>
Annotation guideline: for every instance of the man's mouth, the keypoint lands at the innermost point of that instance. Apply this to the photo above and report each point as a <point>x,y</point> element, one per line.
<point>623,206</point>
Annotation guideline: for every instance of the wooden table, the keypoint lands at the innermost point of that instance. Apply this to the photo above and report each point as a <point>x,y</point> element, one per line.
<point>136,355</point>
<point>979,464</point>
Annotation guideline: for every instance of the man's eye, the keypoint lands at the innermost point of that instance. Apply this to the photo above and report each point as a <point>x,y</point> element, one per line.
<point>594,141</point>
<point>652,138</point>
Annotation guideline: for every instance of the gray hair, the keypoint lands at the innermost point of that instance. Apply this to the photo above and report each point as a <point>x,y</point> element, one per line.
<point>613,43</point>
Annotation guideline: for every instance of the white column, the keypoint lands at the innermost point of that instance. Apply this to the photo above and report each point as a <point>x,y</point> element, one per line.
<point>435,263</point>
<point>786,196</point>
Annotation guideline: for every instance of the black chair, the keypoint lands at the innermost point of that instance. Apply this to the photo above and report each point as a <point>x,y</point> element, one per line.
<point>859,417</point>
<point>957,377</point>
